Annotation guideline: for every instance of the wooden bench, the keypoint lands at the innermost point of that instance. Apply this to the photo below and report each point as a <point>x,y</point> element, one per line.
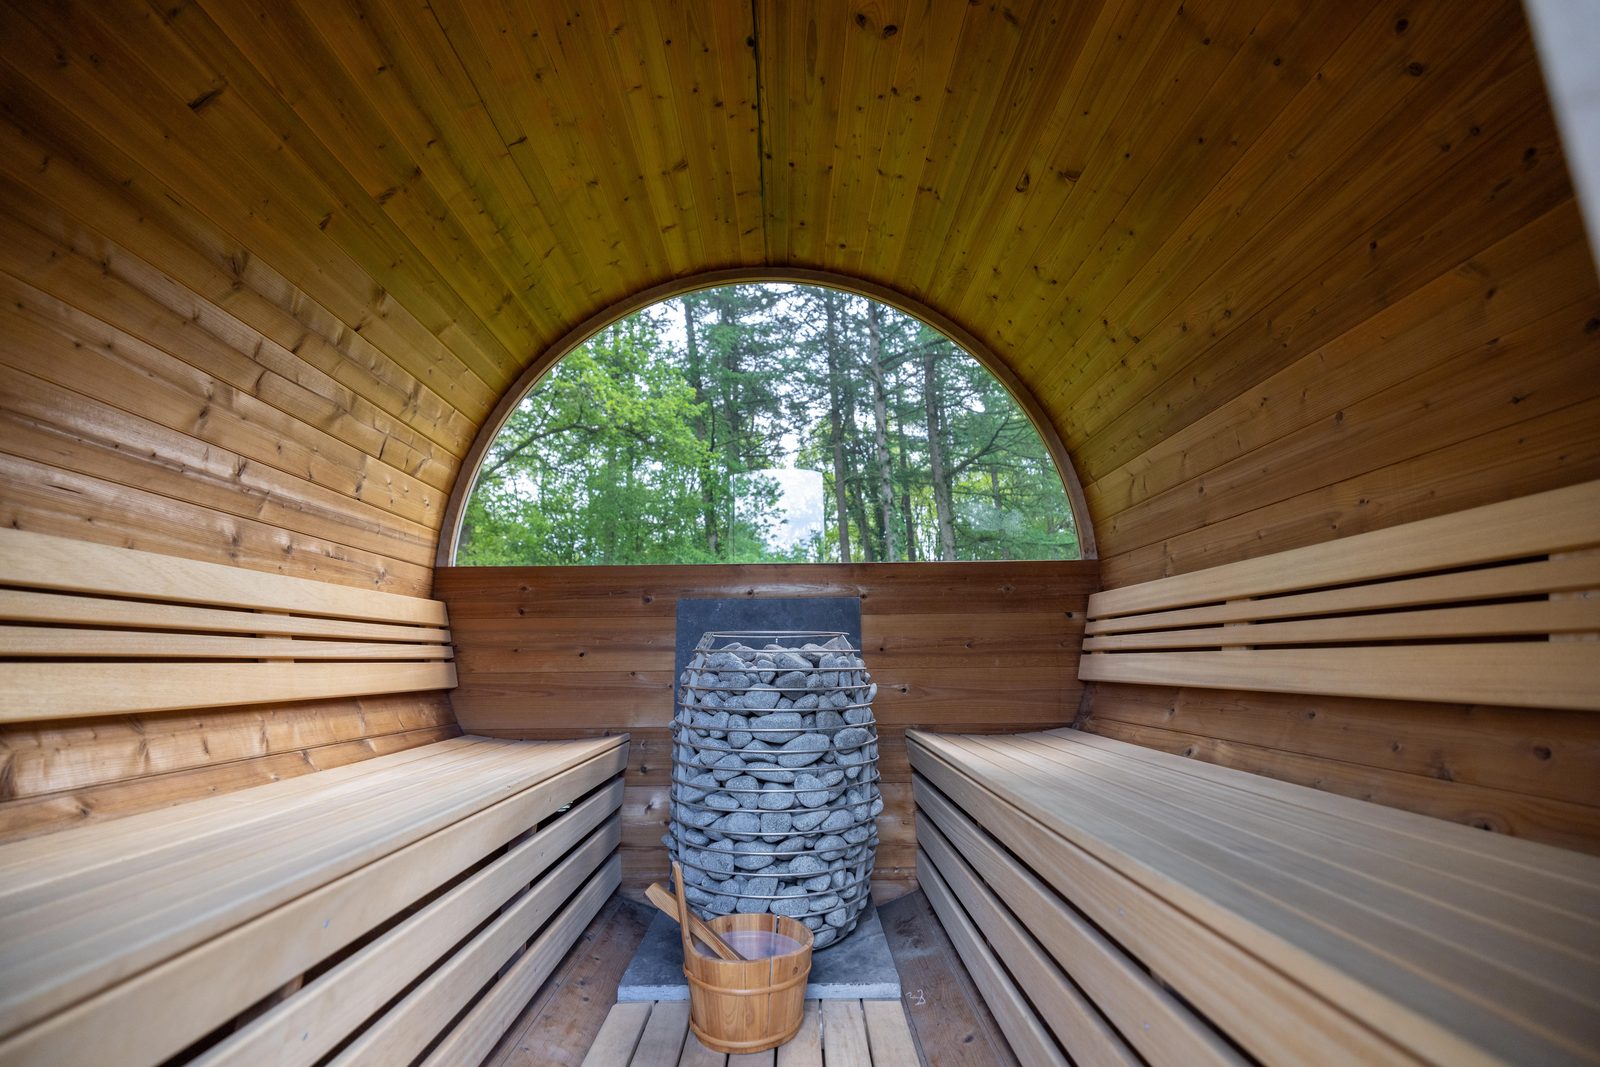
<point>90,629</point>
<point>398,908</point>
<point>1479,606</point>
<point>1115,902</point>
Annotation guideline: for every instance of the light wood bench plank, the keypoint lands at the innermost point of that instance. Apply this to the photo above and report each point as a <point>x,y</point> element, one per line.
<point>1382,965</point>
<point>59,642</point>
<point>80,690</point>
<point>1155,1022</point>
<point>68,947</point>
<point>1484,672</point>
<point>40,561</point>
<point>302,1029</point>
<point>402,1032</point>
<point>1076,1023</point>
<point>1560,520</point>
<point>1032,1043</point>
<point>1355,919</point>
<point>482,1027</point>
<point>1227,984</point>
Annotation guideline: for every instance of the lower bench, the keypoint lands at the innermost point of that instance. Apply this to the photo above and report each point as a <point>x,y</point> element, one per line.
<point>1116,903</point>
<point>398,909</point>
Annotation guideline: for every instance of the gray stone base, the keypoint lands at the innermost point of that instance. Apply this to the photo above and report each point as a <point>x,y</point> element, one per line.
<point>857,968</point>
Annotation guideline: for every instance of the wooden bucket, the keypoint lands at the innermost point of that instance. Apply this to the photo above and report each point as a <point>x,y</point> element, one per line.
<point>748,1005</point>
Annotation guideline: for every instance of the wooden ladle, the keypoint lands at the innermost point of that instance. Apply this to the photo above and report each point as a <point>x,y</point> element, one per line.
<point>678,908</point>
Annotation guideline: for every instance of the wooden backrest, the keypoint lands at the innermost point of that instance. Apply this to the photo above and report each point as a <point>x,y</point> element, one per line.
<point>1493,605</point>
<point>88,629</point>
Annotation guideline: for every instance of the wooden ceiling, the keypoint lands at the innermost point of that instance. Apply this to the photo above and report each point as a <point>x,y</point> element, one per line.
<point>388,209</point>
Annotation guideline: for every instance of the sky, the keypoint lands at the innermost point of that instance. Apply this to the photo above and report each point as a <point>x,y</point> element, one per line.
<point>800,504</point>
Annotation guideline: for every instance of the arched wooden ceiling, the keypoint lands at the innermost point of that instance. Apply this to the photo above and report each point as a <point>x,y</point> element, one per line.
<point>1275,270</point>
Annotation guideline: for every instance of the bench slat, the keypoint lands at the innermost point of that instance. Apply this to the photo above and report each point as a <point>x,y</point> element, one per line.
<point>79,690</point>
<point>1556,877</point>
<point>1511,580</point>
<point>62,642</point>
<point>402,1032</point>
<point>1514,673</point>
<point>1165,1032</point>
<point>1223,981</point>
<point>1560,520</point>
<point>74,855</point>
<point>1027,1036</point>
<point>40,561</point>
<point>1391,957</point>
<point>1076,1023</point>
<point>1236,626</point>
<point>126,1022</point>
<point>61,950</point>
<point>471,1039</point>
<point>19,605</point>
<point>1487,620</point>
<point>1554,931</point>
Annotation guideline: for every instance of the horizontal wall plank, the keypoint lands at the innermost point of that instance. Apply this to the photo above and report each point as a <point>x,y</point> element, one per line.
<point>64,756</point>
<point>60,503</point>
<point>889,588</point>
<point>34,816</point>
<point>1535,751</point>
<point>562,652</point>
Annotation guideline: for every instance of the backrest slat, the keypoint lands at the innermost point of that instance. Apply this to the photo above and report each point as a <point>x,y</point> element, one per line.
<point>1496,605</point>
<point>101,630</point>
<point>39,561</point>
<point>1561,520</point>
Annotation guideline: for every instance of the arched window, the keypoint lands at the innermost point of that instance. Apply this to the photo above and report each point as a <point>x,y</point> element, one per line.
<point>766,422</point>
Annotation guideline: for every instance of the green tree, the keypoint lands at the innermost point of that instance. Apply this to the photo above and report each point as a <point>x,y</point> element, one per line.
<point>645,444</point>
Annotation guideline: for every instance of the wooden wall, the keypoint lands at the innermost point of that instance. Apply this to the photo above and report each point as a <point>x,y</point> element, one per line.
<point>1278,271</point>
<point>183,371</point>
<point>1529,772</point>
<point>57,775</point>
<point>562,651</point>
<point>1415,332</point>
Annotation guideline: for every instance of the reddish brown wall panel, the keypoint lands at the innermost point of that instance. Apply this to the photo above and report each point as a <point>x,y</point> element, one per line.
<point>561,651</point>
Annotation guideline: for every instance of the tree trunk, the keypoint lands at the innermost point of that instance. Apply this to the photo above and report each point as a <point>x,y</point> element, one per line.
<point>708,496</point>
<point>880,428</point>
<point>994,496</point>
<point>941,478</point>
<point>905,492</point>
<point>830,304</point>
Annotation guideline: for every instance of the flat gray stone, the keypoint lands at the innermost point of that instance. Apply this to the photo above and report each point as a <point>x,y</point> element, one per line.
<point>859,967</point>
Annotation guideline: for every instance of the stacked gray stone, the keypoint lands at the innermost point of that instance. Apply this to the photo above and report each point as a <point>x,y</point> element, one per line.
<point>775,779</point>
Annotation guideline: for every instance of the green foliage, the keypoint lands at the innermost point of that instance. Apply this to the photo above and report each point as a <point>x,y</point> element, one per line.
<point>642,446</point>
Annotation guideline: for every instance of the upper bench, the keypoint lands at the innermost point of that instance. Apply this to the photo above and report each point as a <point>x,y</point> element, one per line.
<point>1483,606</point>
<point>90,629</point>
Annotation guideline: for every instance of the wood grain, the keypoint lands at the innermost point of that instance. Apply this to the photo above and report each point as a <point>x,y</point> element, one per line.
<point>562,652</point>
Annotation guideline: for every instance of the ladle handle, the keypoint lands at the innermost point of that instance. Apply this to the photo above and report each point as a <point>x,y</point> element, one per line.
<point>688,921</point>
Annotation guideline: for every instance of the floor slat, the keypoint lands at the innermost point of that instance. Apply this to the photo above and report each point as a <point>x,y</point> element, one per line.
<point>619,1035</point>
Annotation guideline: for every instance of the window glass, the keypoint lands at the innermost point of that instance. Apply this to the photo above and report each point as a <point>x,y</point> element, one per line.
<point>766,423</point>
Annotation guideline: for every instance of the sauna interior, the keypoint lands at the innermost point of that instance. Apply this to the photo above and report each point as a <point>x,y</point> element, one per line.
<point>1298,764</point>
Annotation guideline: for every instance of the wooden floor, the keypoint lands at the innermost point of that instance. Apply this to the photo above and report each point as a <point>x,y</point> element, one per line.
<point>833,1033</point>
<point>947,1022</point>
